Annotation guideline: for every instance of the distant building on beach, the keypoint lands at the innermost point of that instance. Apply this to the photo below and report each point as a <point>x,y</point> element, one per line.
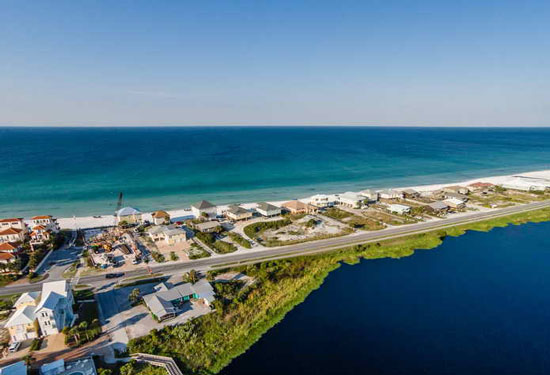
<point>268,210</point>
<point>160,217</point>
<point>371,195</point>
<point>207,226</point>
<point>237,213</point>
<point>12,235</point>
<point>438,207</point>
<point>47,221</point>
<point>455,203</point>
<point>400,209</point>
<point>16,223</point>
<point>526,184</point>
<point>322,200</point>
<point>170,235</point>
<point>350,199</point>
<point>204,208</point>
<point>390,194</point>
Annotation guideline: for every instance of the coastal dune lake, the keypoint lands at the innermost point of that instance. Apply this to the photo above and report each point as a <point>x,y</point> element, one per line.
<point>477,304</point>
<point>80,171</point>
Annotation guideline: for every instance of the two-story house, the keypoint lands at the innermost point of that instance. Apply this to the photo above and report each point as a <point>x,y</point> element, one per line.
<point>12,235</point>
<point>55,310</point>
<point>21,324</point>
<point>15,222</point>
<point>47,221</point>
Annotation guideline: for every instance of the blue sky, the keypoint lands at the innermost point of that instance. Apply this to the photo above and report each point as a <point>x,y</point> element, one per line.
<point>447,63</point>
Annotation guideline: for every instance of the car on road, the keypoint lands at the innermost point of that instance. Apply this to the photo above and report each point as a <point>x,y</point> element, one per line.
<point>14,346</point>
<point>114,275</point>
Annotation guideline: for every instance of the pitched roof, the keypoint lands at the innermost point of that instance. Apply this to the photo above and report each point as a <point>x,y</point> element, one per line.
<point>6,256</point>
<point>203,204</point>
<point>52,292</point>
<point>439,205</point>
<point>207,225</point>
<point>9,246</point>
<point>11,231</point>
<point>17,368</point>
<point>158,306</point>
<point>161,213</point>
<point>237,210</point>
<point>11,220</point>
<point>41,217</point>
<point>22,316</point>
<point>267,207</point>
<point>39,227</point>
<point>295,205</point>
<point>127,211</point>
<point>27,297</point>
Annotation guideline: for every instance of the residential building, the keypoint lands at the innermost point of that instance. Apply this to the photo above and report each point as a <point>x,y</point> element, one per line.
<point>11,247</point>
<point>207,226</point>
<point>47,221</point>
<point>40,234</point>
<point>461,197</point>
<point>268,210</point>
<point>82,366</point>
<point>371,195</point>
<point>297,207</point>
<point>410,193</point>
<point>129,215</point>
<point>523,184</point>
<point>165,302</point>
<point>21,324</point>
<point>161,217</point>
<point>481,186</point>
<point>12,235</point>
<point>400,209</point>
<point>438,207</point>
<point>55,310</point>
<point>17,223</point>
<point>27,299</point>
<point>237,213</point>
<point>454,203</point>
<point>17,368</point>
<point>5,259</point>
<point>204,208</point>
<point>390,194</point>
<point>456,189</point>
<point>322,200</point>
<point>350,199</point>
<point>170,235</point>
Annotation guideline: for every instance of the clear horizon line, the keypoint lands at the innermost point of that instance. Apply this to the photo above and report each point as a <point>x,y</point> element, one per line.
<point>262,125</point>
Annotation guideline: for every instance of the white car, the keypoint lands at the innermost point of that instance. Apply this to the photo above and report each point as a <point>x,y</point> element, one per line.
<point>14,346</point>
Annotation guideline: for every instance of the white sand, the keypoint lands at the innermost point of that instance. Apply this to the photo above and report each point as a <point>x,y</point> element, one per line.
<point>182,214</point>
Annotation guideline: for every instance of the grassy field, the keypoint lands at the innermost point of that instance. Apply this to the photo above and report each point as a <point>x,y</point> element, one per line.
<point>207,344</point>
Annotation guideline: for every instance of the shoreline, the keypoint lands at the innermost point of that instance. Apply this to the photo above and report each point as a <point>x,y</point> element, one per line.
<point>87,222</point>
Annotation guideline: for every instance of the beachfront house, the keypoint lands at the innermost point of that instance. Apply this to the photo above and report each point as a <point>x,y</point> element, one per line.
<point>438,207</point>
<point>322,200</point>
<point>237,213</point>
<point>12,235</point>
<point>17,368</point>
<point>128,215</point>
<point>268,210</point>
<point>17,223</point>
<point>55,311</point>
<point>11,247</point>
<point>5,260</point>
<point>523,184</point>
<point>207,226</point>
<point>297,207</point>
<point>40,234</point>
<point>160,217</point>
<point>456,189</point>
<point>461,197</point>
<point>455,203</point>
<point>169,235</point>
<point>47,221</point>
<point>390,194</point>
<point>204,208</point>
<point>400,209</point>
<point>481,186</point>
<point>350,199</point>
<point>371,195</point>
<point>165,302</point>
<point>410,193</point>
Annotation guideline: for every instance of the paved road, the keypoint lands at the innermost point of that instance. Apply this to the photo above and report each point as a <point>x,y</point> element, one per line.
<point>305,248</point>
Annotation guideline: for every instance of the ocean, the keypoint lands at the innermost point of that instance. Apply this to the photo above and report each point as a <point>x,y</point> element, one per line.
<point>80,171</point>
<point>477,304</point>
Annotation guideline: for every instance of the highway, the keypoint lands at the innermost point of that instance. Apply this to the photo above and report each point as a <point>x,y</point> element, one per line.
<point>306,248</point>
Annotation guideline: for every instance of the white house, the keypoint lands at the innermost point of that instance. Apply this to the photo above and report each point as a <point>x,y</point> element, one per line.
<point>47,221</point>
<point>55,310</point>
<point>17,223</point>
<point>170,235</point>
<point>160,217</point>
<point>523,184</point>
<point>371,195</point>
<point>322,200</point>
<point>12,235</point>
<point>390,194</point>
<point>21,324</point>
<point>237,213</point>
<point>204,208</point>
<point>268,210</point>
<point>454,203</point>
<point>351,199</point>
<point>399,209</point>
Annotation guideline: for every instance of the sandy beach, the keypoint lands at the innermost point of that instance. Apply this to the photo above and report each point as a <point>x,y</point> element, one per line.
<point>86,222</point>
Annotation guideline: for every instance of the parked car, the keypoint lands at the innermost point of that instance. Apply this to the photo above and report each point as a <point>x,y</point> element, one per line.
<point>14,346</point>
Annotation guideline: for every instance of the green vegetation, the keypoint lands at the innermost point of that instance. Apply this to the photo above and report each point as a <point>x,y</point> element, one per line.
<point>337,213</point>
<point>87,328</point>
<point>71,271</point>
<point>140,282</point>
<point>83,294</point>
<point>173,256</point>
<point>273,242</point>
<point>206,238</point>
<point>237,238</point>
<point>364,223</point>
<point>191,277</point>
<point>197,252</point>
<point>256,229</point>
<point>134,296</point>
<point>223,247</point>
<point>35,344</point>
<point>158,257</point>
<point>206,344</point>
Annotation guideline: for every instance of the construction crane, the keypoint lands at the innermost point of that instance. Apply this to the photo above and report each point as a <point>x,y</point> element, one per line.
<point>119,203</point>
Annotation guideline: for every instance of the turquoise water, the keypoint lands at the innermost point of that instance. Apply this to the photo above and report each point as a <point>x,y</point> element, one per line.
<point>478,304</point>
<point>80,171</point>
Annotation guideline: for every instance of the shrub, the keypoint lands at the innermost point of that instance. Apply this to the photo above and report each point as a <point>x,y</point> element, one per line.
<point>256,229</point>
<point>240,240</point>
<point>223,247</point>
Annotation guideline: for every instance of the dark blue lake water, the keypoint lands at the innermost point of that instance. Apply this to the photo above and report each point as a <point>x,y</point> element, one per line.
<point>478,304</point>
<point>80,171</point>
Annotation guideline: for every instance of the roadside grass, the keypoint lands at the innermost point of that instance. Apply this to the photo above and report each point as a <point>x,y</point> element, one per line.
<point>71,271</point>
